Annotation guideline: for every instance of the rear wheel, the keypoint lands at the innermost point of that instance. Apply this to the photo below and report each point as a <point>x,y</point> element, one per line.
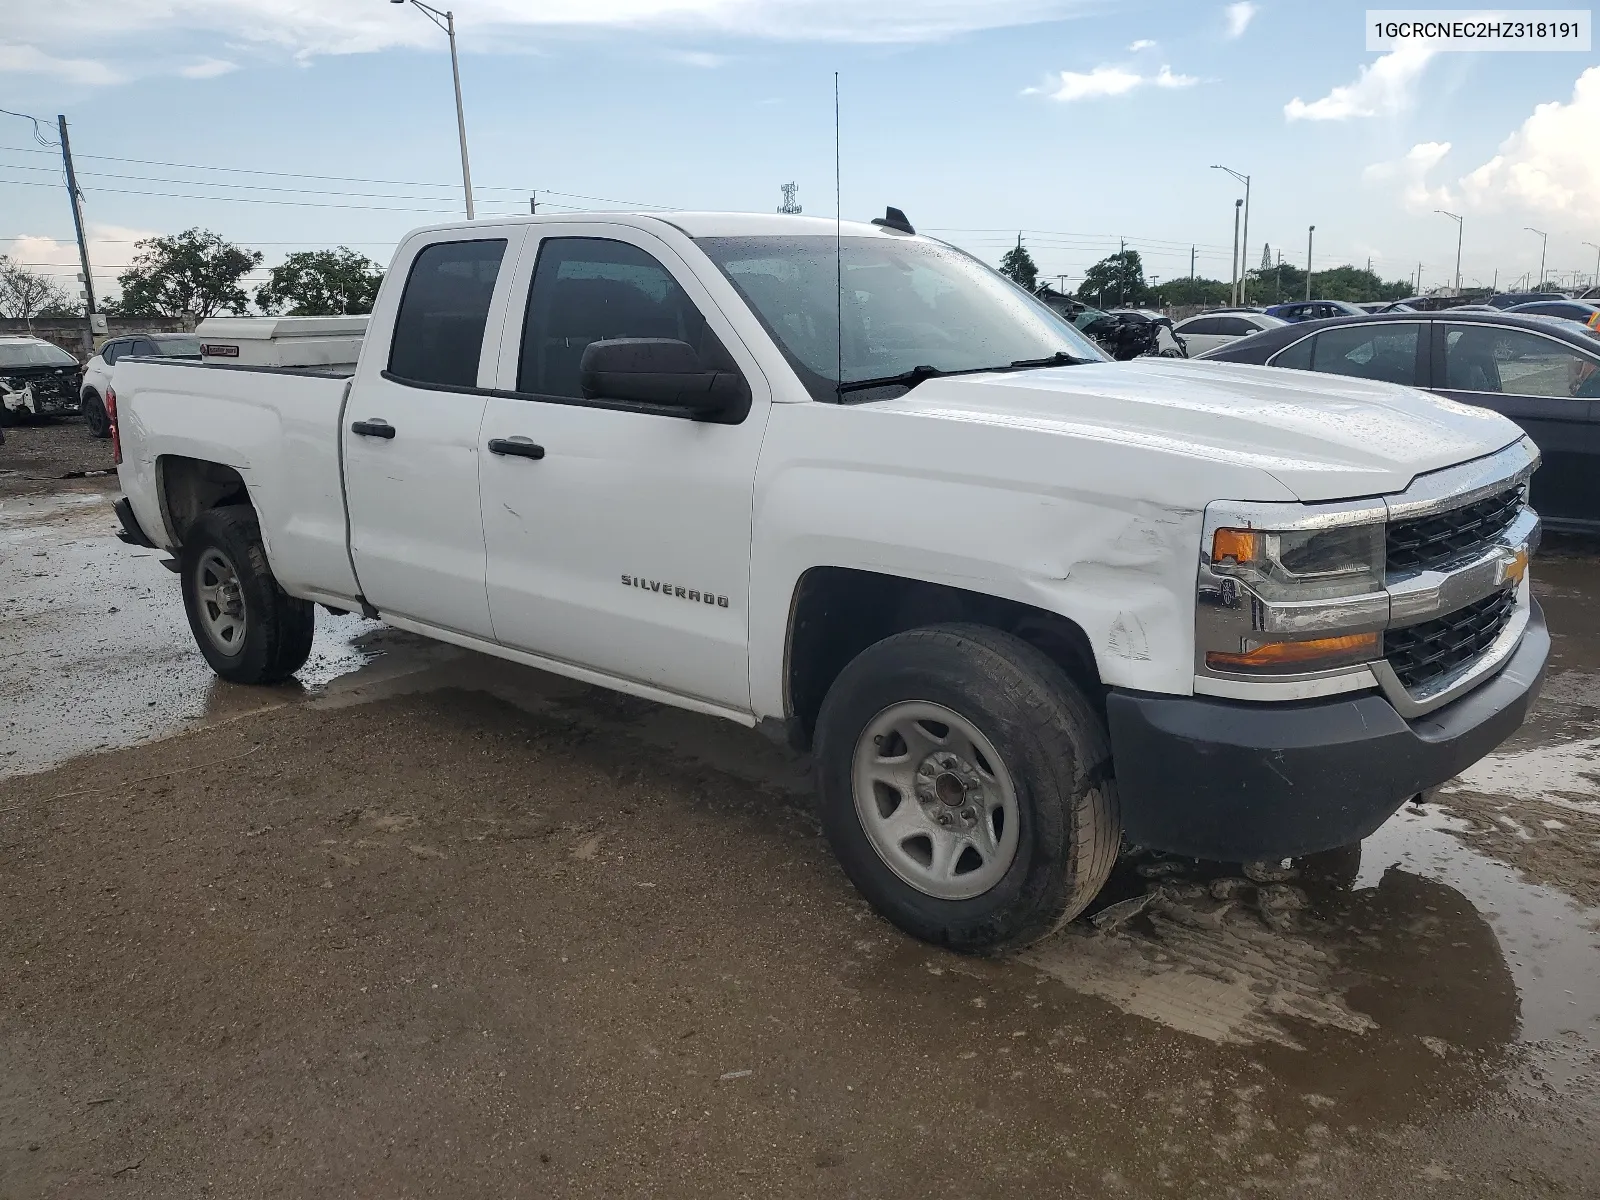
<point>94,415</point>
<point>249,629</point>
<point>964,785</point>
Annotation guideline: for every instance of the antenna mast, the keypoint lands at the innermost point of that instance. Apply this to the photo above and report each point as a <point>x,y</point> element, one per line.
<point>838,247</point>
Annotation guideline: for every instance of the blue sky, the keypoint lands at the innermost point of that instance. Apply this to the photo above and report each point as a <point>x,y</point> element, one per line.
<point>1078,122</point>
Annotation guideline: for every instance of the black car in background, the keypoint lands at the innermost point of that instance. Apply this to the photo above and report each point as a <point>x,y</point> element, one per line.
<point>1542,372</point>
<point>1511,299</point>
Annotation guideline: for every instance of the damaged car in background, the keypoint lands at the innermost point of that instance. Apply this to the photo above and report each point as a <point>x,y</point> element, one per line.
<point>37,379</point>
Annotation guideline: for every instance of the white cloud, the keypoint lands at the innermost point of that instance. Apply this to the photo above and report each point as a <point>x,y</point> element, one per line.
<point>86,72</point>
<point>1141,44</point>
<point>1106,80</point>
<point>697,58</point>
<point>1412,173</point>
<point>110,250</point>
<point>1385,86</point>
<point>313,27</point>
<point>208,68</point>
<point>1239,17</point>
<point>1550,165</point>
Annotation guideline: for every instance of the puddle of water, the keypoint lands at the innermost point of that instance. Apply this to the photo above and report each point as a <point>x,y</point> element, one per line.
<point>1567,775</point>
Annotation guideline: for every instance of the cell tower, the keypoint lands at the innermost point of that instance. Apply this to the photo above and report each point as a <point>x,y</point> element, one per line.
<point>789,206</point>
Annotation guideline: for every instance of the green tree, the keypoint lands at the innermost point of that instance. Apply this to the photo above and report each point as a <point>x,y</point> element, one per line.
<point>1176,292</point>
<point>1117,279</point>
<point>1018,266</point>
<point>193,273</point>
<point>321,283</point>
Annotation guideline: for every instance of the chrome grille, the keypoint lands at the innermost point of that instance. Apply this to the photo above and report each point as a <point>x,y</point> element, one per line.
<point>1421,654</point>
<point>1424,543</point>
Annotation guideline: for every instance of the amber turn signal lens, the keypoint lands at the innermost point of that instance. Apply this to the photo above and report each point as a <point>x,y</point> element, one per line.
<point>1288,654</point>
<point>1241,545</point>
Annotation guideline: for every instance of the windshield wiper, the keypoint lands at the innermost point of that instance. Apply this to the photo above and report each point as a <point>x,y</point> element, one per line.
<point>1059,359</point>
<point>907,379</point>
<point>910,379</point>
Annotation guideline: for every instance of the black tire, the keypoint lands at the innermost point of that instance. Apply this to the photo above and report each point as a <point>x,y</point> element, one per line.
<point>1053,745</point>
<point>94,415</point>
<point>277,628</point>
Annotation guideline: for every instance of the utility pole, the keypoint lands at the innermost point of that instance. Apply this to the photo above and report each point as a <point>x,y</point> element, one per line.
<point>1459,223</point>
<point>1233,291</point>
<point>77,224</point>
<point>1191,263</point>
<point>1061,281</point>
<point>533,203</point>
<point>1544,241</point>
<point>1419,279</point>
<point>1595,282</point>
<point>1310,233</point>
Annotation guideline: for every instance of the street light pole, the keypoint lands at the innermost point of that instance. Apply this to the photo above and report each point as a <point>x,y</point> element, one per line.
<point>1459,223</point>
<point>1310,233</point>
<point>447,22</point>
<point>1233,291</point>
<point>1244,179</point>
<point>1544,240</point>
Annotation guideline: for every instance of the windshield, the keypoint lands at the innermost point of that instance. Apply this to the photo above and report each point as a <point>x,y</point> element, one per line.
<point>178,347</point>
<point>907,304</point>
<point>34,354</point>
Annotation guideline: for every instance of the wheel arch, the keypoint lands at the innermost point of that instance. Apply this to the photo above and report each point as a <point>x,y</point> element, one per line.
<point>187,487</point>
<point>837,612</point>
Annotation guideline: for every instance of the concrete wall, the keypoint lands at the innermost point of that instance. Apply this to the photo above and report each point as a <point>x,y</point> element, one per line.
<point>72,333</point>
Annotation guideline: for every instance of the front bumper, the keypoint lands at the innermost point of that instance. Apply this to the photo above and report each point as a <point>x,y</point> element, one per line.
<point>1239,782</point>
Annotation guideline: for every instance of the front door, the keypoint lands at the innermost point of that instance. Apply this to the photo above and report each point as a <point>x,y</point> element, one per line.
<point>618,537</point>
<point>1548,387</point>
<point>411,438</point>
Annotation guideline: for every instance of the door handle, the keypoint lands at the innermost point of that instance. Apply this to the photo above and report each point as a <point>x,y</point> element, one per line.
<point>517,447</point>
<point>373,427</point>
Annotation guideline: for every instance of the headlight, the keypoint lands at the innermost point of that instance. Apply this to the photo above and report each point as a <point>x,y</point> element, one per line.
<point>1291,589</point>
<point>1302,564</point>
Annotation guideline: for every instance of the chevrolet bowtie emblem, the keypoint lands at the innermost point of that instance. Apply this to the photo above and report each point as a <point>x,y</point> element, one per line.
<point>1516,564</point>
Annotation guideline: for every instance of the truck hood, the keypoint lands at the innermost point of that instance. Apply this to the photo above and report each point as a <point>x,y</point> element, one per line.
<point>1324,437</point>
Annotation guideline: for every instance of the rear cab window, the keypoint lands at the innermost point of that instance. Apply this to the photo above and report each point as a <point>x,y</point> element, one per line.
<point>439,328</point>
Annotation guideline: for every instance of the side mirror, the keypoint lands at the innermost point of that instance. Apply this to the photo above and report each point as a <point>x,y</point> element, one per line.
<point>664,372</point>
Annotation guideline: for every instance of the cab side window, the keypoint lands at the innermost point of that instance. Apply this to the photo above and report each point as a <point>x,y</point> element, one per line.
<point>594,289</point>
<point>438,332</point>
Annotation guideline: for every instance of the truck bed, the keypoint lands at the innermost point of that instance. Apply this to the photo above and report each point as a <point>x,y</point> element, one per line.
<point>276,426</point>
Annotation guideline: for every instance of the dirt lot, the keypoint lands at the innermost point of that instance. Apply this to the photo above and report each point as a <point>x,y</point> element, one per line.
<point>37,458</point>
<point>428,923</point>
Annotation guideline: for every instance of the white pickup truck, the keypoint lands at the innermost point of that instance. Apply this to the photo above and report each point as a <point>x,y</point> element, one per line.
<point>1024,605</point>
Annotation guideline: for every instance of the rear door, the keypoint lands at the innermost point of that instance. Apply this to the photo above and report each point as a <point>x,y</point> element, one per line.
<point>1201,334</point>
<point>624,546</point>
<point>411,431</point>
<point>1546,385</point>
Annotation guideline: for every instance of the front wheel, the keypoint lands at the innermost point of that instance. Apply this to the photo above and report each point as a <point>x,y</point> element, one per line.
<point>249,629</point>
<point>965,786</point>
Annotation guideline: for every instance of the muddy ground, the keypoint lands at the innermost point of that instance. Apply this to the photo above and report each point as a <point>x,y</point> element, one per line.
<point>424,922</point>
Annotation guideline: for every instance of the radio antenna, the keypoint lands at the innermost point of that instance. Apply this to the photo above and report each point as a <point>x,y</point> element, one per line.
<point>838,250</point>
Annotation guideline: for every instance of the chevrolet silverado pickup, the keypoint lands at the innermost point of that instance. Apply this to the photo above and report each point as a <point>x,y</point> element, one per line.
<point>1023,605</point>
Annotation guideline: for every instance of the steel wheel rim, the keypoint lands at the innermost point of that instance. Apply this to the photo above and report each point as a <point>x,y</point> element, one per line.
<point>935,800</point>
<point>220,602</point>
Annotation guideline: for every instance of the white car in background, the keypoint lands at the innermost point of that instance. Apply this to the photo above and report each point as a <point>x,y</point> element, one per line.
<point>97,371</point>
<point>1210,330</point>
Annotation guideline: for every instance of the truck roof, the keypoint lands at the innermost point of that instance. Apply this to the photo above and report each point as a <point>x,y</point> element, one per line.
<point>695,224</point>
